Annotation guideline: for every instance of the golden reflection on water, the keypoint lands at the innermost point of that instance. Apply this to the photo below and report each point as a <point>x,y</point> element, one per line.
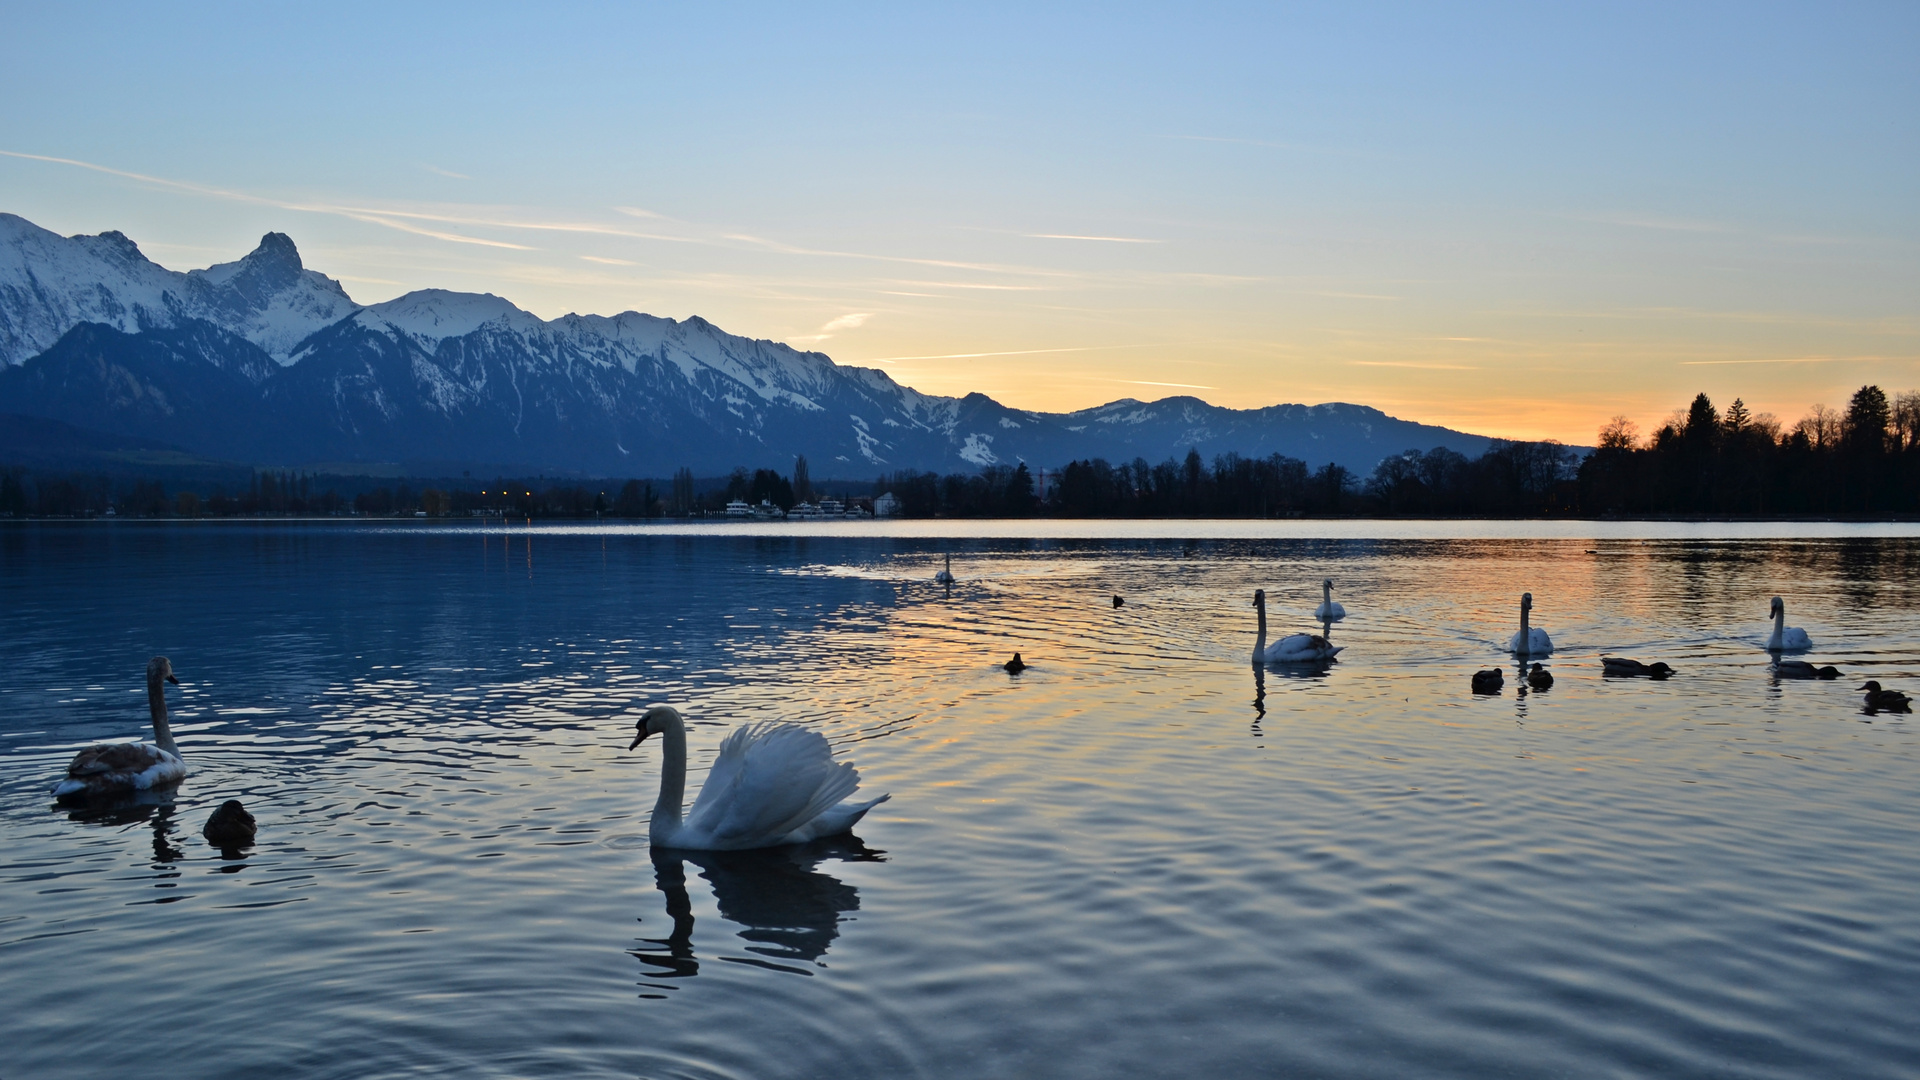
<point>1142,841</point>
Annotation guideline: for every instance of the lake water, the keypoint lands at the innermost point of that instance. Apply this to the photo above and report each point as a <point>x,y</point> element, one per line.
<point>1140,857</point>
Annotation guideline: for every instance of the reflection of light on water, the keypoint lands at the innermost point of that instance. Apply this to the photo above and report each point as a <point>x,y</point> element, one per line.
<point>1087,864</point>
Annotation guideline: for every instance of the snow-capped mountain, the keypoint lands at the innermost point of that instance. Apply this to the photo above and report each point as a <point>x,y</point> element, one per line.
<point>263,360</point>
<point>51,283</point>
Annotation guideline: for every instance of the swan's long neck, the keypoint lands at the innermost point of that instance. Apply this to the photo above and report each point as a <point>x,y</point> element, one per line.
<point>1526,637</point>
<point>157,704</point>
<point>1326,593</point>
<point>1260,643</point>
<point>673,778</point>
<point>1779,621</point>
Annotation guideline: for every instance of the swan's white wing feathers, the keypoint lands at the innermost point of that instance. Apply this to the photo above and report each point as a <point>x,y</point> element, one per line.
<point>1537,643</point>
<point>1301,648</point>
<point>120,767</point>
<point>768,781</point>
<point>837,819</point>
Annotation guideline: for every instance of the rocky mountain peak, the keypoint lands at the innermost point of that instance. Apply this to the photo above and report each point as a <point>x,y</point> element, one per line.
<point>117,245</point>
<point>276,250</point>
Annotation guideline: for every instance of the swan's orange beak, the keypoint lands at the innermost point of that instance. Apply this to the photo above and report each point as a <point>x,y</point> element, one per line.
<point>638,739</point>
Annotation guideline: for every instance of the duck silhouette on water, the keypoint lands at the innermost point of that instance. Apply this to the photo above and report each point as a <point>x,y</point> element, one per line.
<point>1800,669</point>
<point>231,826</point>
<point>1880,699</point>
<point>1622,667</point>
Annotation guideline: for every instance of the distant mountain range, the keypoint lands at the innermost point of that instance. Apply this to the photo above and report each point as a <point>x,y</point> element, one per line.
<point>264,361</point>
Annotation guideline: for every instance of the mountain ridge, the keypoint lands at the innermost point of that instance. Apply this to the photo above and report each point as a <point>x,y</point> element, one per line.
<point>263,359</point>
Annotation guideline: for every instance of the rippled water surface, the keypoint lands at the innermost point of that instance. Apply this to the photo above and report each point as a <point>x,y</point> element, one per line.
<point>1140,857</point>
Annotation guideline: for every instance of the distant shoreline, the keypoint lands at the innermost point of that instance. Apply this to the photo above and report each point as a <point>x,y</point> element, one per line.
<point>1572,537</point>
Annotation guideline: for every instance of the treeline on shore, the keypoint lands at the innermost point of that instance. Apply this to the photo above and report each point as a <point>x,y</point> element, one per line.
<point>1861,461</point>
<point>1865,460</point>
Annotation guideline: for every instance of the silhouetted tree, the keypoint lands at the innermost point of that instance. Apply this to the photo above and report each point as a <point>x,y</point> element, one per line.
<point>802,484</point>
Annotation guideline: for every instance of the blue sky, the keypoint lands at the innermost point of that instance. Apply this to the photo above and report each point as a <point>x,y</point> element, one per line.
<point>1518,219</point>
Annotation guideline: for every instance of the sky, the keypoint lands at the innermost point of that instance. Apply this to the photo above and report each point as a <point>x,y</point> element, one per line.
<point>1513,219</point>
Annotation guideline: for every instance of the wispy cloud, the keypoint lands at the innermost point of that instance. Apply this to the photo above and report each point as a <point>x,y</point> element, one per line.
<point>975,285</point>
<point>847,322</point>
<point>1351,295</point>
<point>1799,360</point>
<point>1411,364</point>
<point>609,262</point>
<point>386,217</point>
<point>1181,385</point>
<point>1240,142</point>
<point>420,221</point>
<point>446,172</point>
<point>408,227</point>
<point>1102,239</point>
<point>945,264</point>
<point>1654,221</point>
<point>1015,352</point>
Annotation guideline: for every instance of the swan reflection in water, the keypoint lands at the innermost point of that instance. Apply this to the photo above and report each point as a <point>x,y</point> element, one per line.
<point>158,810</point>
<point>788,910</point>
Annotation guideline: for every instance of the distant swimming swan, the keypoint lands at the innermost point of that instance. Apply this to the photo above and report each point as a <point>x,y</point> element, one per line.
<point>772,784</point>
<point>1292,649</point>
<point>1786,638</point>
<point>945,577</point>
<point>1328,611</point>
<point>124,768</point>
<point>1529,641</point>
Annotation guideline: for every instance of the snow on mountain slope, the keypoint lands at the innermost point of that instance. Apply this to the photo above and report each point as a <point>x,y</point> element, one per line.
<point>273,362</point>
<point>270,298</point>
<point>430,316</point>
<point>51,283</point>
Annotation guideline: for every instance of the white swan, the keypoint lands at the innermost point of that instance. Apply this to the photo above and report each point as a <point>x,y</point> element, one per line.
<point>1529,641</point>
<point>123,768</point>
<point>772,784</point>
<point>1328,611</point>
<point>1292,649</point>
<point>1786,638</point>
<point>945,577</point>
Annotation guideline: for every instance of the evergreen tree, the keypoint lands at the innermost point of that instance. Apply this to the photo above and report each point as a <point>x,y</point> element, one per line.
<point>1020,492</point>
<point>1703,423</point>
<point>1737,418</point>
<point>683,491</point>
<point>1868,416</point>
<point>802,485</point>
